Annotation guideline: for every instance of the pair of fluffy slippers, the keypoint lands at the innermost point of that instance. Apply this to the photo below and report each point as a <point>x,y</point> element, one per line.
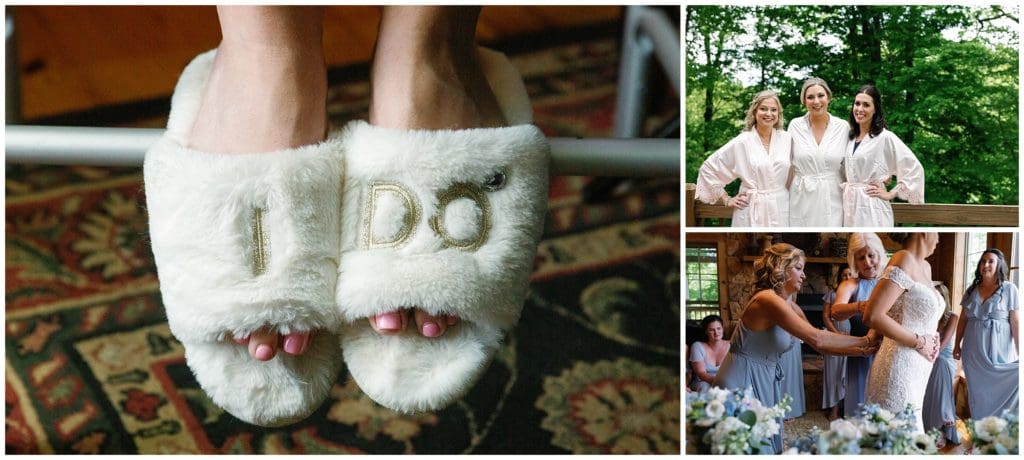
<point>321,237</point>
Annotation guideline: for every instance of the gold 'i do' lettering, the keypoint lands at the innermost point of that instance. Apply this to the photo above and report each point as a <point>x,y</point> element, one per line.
<point>259,246</point>
<point>410,203</point>
<point>472,192</point>
<point>412,215</point>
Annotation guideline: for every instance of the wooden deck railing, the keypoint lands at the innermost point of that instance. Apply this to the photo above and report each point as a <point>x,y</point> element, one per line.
<point>952,215</point>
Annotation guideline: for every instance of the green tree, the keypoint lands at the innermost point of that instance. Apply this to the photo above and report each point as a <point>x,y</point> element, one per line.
<point>948,76</point>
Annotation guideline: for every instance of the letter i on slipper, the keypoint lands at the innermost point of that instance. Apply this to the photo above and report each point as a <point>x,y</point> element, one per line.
<point>244,242</point>
<point>448,222</point>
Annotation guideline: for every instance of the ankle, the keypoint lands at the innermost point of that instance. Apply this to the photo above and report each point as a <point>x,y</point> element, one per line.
<point>434,90</point>
<point>251,104</point>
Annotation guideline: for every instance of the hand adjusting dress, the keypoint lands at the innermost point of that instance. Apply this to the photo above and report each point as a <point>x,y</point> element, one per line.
<point>899,375</point>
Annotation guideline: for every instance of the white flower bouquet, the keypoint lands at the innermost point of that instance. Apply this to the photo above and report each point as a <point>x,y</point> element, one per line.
<point>722,421</point>
<point>876,430</point>
<point>995,435</point>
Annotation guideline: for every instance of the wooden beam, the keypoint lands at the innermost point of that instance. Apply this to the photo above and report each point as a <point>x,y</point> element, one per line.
<point>958,215</point>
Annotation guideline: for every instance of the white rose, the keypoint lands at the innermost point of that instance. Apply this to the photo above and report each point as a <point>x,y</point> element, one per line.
<point>718,394</point>
<point>897,424</point>
<point>715,409</point>
<point>705,422</point>
<point>844,428</point>
<point>989,427</point>
<point>871,429</point>
<point>726,427</point>
<point>764,429</point>
<point>884,415</point>
<point>1008,442</point>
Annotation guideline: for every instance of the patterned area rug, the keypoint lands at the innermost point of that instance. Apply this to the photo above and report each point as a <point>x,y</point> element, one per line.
<point>593,366</point>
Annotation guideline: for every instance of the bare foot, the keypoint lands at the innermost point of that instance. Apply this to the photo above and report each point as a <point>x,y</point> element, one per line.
<point>267,91</point>
<point>427,74</point>
<point>264,344</point>
<point>427,325</point>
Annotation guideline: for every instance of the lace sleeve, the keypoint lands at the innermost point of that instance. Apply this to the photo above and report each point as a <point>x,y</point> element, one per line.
<point>897,275</point>
<point>717,172</point>
<point>908,170</point>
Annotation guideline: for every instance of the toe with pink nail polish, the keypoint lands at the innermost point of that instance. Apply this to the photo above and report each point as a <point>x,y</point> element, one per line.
<point>430,329</point>
<point>390,322</point>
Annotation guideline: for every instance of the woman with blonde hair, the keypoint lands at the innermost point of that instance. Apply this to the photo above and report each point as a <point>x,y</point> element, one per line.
<point>865,255</point>
<point>760,158</point>
<point>767,326</point>
<point>819,146</point>
<point>905,308</point>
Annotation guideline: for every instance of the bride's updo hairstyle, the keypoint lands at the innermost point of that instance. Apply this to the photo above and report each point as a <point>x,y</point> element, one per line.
<point>858,241</point>
<point>901,237</point>
<point>770,269</point>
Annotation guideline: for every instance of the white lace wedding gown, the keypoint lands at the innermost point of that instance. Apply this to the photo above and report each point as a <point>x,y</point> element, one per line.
<point>899,375</point>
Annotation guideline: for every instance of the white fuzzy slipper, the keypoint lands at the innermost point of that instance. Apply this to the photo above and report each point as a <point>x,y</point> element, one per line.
<point>245,241</point>
<point>448,222</point>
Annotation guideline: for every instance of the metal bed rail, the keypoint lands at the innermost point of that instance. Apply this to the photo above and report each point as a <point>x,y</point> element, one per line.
<point>127,147</point>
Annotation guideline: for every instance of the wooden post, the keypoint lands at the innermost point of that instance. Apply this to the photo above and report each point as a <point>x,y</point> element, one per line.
<point>691,195</point>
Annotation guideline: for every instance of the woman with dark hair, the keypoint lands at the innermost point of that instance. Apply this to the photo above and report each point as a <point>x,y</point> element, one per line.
<point>987,338</point>
<point>706,356</point>
<point>767,326</point>
<point>905,308</point>
<point>873,155</point>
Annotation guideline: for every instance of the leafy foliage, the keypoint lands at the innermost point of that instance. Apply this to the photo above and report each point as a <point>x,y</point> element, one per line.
<point>948,76</point>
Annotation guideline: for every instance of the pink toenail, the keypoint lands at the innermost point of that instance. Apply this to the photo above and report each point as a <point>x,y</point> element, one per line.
<point>264,352</point>
<point>389,322</point>
<point>431,329</point>
<point>293,344</point>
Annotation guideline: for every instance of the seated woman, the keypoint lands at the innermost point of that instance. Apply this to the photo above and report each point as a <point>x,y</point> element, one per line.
<point>767,326</point>
<point>707,355</point>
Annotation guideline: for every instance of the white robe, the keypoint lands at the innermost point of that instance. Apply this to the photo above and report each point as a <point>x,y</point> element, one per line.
<point>763,178</point>
<point>815,195</point>
<point>876,160</point>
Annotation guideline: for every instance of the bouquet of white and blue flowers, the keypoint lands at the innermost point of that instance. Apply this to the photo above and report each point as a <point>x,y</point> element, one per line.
<point>995,435</point>
<point>875,430</point>
<point>722,421</point>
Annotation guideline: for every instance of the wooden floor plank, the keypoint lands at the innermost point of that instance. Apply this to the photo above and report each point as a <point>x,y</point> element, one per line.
<point>73,58</point>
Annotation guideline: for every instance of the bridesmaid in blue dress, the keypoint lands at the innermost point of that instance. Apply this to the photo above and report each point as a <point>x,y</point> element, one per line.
<point>793,383</point>
<point>939,409</point>
<point>706,356</point>
<point>833,381</point>
<point>987,338</point>
<point>865,255</point>
<point>766,328</point>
